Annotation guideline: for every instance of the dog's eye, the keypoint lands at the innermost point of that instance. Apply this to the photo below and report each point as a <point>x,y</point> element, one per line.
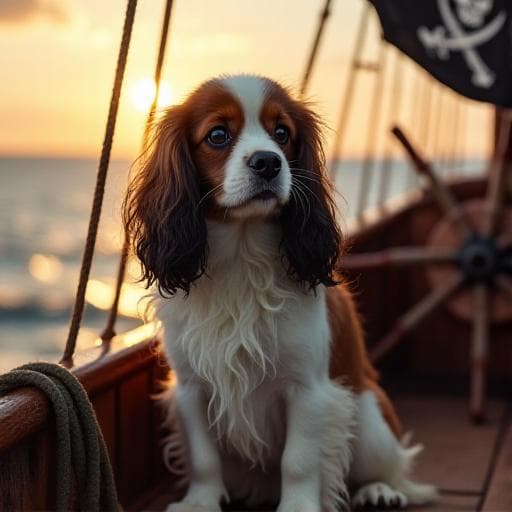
<point>281,134</point>
<point>219,137</point>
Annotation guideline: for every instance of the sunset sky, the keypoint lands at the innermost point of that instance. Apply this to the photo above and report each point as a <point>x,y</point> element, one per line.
<point>57,61</point>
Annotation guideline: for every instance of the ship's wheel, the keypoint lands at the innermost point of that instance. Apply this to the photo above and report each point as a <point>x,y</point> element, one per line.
<point>468,260</point>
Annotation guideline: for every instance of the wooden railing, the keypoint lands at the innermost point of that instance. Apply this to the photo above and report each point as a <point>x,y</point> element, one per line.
<point>121,385</point>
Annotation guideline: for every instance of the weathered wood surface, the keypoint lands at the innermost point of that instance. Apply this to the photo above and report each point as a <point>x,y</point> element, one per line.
<point>456,457</point>
<point>97,370</point>
<point>457,452</point>
<point>27,404</point>
<point>120,383</point>
<point>499,494</point>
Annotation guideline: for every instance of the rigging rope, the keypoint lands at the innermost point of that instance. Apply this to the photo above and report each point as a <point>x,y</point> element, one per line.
<point>80,443</point>
<point>100,185</point>
<point>372,133</point>
<point>109,331</point>
<point>420,117</point>
<point>393,115</point>
<point>326,11</point>
<point>351,82</point>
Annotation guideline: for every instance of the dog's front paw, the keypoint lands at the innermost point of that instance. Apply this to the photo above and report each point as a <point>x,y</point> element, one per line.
<point>378,494</point>
<point>200,498</point>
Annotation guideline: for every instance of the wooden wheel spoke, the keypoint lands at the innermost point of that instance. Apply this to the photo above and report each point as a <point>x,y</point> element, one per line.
<point>500,168</point>
<point>479,349</point>
<point>495,195</point>
<point>399,256</point>
<point>415,315</point>
<point>440,191</point>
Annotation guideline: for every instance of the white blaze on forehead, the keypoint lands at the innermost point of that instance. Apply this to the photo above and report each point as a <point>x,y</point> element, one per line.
<point>250,93</point>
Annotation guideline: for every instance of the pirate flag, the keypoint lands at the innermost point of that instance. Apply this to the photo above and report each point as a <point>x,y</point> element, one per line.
<point>466,44</point>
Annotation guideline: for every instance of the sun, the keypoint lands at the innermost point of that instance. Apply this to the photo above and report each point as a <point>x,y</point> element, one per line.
<point>142,94</point>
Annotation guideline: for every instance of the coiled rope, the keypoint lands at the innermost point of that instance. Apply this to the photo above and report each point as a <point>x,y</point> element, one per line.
<point>80,444</point>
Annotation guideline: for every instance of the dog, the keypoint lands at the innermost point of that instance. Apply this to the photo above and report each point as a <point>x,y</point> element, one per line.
<point>233,219</point>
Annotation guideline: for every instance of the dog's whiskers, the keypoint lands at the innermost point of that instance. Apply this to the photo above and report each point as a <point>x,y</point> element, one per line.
<point>301,194</point>
<point>298,198</point>
<point>208,194</point>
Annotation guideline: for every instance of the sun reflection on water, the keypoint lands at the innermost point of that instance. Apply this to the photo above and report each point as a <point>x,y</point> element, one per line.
<point>45,267</point>
<point>132,302</point>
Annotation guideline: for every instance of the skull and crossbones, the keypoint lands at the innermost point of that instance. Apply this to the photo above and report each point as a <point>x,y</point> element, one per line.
<point>452,35</point>
<point>473,12</point>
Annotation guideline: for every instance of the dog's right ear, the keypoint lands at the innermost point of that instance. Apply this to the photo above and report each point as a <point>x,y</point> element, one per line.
<point>161,210</point>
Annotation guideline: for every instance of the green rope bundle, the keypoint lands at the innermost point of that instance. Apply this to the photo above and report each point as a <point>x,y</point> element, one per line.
<point>80,443</point>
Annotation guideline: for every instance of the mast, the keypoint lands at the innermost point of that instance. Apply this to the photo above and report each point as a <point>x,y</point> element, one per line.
<point>500,166</point>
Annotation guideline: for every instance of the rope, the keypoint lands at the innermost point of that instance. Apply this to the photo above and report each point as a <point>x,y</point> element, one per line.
<point>393,114</point>
<point>90,243</point>
<point>372,133</point>
<point>348,95</point>
<point>80,444</point>
<point>326,11</point>
<point>420,117</point>
<point>109,331</point>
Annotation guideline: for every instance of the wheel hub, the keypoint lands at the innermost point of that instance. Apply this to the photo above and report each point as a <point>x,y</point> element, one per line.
<point>479,260</point>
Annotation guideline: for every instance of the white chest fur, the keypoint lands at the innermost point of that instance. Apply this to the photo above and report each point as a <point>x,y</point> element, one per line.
<point>246,331</point>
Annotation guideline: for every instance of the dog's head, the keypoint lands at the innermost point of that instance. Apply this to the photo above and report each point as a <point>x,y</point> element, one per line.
<point>239,148</point>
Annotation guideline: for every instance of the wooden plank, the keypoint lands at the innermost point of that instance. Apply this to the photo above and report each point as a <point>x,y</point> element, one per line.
<point>159,375</point>
<point>43,469</point>
<point>456,457</point>
<point>457,452</point>
<point>27,403</point>
<point>105,407</point>
<point>451,503</point>
<point>160,497</point>
<point>499,495</point>
<point>134,450</point>
<point>15,478</point>
<point>99,370</point>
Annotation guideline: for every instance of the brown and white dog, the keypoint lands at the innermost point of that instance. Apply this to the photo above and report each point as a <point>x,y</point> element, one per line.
<point>233,219</point>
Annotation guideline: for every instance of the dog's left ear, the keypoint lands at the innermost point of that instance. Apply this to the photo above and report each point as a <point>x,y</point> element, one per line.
<point>311,240</point>
<point>162,211</point>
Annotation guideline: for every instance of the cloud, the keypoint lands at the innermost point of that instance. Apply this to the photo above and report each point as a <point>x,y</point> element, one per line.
<point>20,11</point>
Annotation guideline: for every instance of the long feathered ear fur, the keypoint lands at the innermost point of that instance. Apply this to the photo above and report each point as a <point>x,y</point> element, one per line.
<point>161,210</point>
<point>312,240</point>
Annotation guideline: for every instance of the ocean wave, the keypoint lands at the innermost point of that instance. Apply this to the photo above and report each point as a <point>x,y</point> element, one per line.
<point>39,311</point>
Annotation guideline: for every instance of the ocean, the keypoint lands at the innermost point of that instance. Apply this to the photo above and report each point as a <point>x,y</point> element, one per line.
<point>44,211</point>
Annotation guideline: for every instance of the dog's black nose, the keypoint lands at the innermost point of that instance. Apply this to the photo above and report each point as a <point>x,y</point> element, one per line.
<point>265,164</point>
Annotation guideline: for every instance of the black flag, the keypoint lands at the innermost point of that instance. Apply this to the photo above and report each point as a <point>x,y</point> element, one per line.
<point>465,44</point>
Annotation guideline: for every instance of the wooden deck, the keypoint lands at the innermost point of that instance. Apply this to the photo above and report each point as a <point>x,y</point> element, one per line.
<point>471,464</point>
<point>459,456</point>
